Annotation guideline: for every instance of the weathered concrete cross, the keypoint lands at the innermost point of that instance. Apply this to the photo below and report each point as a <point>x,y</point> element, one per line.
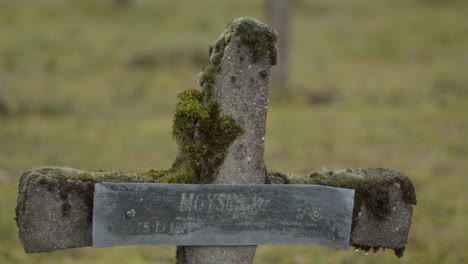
<point>220,132</point>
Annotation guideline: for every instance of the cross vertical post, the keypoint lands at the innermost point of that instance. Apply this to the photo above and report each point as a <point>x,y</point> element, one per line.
<point>245,53</point>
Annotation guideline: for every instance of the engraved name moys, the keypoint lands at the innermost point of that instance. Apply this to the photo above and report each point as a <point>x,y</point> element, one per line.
<point>194,207</point>
<point>222,202</point>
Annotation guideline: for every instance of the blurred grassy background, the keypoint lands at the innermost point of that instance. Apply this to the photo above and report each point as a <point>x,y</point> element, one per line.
<point>92,84</point>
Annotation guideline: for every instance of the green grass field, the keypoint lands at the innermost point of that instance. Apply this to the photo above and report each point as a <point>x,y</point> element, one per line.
<point>92,84</point>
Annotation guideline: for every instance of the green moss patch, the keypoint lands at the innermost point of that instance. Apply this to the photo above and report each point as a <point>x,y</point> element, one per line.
<point>371,186</point>
<point>260,38</point>
<point>203,136</point>
<point>207,76</point>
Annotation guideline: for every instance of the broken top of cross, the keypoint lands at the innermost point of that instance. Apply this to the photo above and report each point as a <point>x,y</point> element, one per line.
<point>220,131</point>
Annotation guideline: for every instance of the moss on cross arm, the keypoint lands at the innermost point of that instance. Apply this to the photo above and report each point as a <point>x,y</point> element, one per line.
<point>372,189</point>
<point>46,174</point>
<point>371,186</point>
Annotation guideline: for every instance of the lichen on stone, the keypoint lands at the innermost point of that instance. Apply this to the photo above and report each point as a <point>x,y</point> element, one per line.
<point>276,178</point>
<point>260,38</point>
<point>48,174</point>
<point>371,186</point>
<point>207,76</point>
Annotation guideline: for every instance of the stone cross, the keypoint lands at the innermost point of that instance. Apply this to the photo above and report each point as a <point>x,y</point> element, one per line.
<point>220,132</point>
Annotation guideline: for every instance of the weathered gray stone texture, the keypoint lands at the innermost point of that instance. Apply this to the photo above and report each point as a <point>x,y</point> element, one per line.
<point>392,232</point>
<point>243,94</point>
<point>54,214</point>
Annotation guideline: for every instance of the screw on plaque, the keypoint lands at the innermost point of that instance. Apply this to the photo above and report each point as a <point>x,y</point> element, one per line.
<point>130,214</point>
<point>316,214</point>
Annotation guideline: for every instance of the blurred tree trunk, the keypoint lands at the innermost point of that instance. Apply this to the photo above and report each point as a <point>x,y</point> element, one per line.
<point>123,2</point>
<point>278,18</point>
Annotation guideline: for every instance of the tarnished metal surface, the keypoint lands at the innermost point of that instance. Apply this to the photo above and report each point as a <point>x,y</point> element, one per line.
<point>221,214</point>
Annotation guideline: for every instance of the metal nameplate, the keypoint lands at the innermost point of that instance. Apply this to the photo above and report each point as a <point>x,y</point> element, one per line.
<point>221,214</point>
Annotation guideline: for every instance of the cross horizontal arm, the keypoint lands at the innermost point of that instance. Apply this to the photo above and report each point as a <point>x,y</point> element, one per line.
<point>55,205</point>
